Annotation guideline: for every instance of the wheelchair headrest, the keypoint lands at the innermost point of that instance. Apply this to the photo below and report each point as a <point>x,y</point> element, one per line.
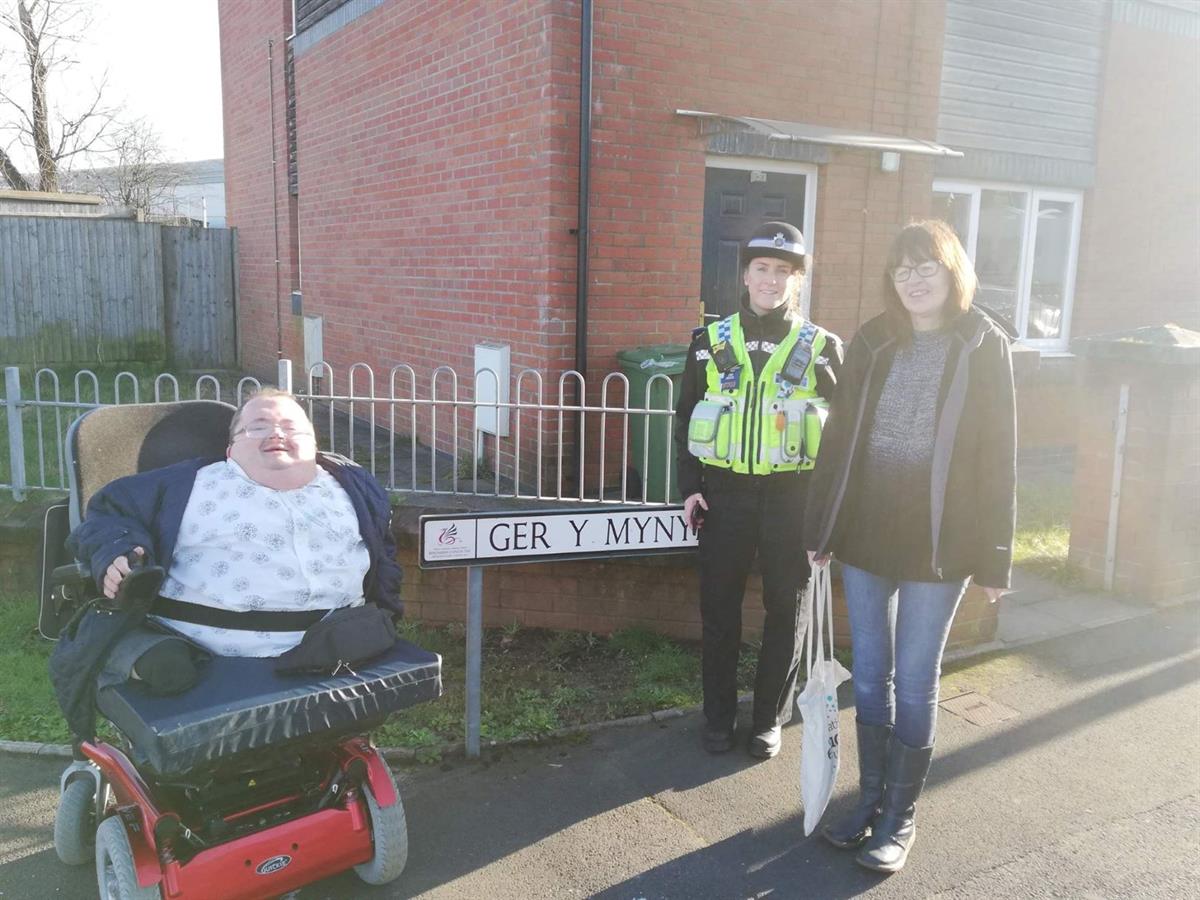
<point>111,442</point>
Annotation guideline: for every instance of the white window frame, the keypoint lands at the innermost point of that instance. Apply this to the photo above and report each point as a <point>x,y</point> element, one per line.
<point>783,167</point>
<point>1034,196</point>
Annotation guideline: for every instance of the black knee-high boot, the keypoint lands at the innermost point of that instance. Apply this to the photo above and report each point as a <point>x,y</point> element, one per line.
<point>851,831</point>
<point>894,830</point>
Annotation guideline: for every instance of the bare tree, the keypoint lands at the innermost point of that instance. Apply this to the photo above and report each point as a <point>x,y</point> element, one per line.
<point>139,175</point>
<point>47,31</point>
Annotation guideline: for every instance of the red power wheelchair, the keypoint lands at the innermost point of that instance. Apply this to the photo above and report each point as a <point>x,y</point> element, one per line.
<point>249,784</point>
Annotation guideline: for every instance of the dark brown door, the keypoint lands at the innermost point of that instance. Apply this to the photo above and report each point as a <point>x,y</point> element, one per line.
<point>736,201</point>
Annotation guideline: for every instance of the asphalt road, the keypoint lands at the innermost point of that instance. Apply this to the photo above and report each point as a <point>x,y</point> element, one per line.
<point>1088,790</point>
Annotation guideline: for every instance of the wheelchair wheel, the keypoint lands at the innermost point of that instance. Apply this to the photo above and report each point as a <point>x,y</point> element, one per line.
<point>75,822</point>
<point>115,871</point>
<point>389,833</point>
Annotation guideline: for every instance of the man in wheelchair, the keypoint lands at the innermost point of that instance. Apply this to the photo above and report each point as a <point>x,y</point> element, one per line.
<point>256,547</point>
<point>242,644</point>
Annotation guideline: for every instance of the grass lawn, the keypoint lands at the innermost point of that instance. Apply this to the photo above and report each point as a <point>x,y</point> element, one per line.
<point>28,710</point>
<point>1044,530</point>
<point>534,681</point>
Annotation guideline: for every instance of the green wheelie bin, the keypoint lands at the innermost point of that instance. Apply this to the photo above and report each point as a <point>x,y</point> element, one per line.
<point>640,365</point>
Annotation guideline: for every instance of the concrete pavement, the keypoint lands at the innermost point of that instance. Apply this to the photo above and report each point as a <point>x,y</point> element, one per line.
<point>1080,780</point>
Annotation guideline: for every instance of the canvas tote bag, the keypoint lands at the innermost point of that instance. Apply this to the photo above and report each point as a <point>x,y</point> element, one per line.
<point>818,705</point>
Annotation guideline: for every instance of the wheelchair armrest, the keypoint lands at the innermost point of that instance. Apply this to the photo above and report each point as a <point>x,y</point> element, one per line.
<point>73,574</point>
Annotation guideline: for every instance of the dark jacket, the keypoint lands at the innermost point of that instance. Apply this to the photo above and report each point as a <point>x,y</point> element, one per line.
<point>973,475</point>
<point>146,510</point>
<point>772,328</point>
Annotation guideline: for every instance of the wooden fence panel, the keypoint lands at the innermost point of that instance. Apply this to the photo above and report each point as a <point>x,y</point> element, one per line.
<point>198,296</point>
<point>87,291</point>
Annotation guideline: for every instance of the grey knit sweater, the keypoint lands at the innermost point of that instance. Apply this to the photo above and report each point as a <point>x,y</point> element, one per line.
<point>893,535</point>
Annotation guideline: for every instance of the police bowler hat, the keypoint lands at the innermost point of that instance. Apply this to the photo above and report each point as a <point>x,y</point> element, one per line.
<point>778,239</point>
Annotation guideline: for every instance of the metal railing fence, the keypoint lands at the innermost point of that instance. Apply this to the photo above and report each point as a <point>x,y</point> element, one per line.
<point>413,438</point>
<point>36,426</point>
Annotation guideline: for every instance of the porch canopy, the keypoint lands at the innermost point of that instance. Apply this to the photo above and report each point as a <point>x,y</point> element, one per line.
<point>799,132</point>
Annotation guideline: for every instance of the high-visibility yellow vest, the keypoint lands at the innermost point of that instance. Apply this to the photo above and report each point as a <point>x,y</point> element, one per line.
<point>758,423</point>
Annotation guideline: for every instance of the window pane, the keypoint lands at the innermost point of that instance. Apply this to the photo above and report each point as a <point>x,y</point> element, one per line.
<point>955,210</point>
<point>1051,249</point>
<point>998,250</point>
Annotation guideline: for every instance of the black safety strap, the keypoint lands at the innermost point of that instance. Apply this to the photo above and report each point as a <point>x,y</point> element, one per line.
<point>255,620</point>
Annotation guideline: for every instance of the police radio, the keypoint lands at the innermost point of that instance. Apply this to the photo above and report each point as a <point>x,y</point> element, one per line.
<point>723,357</point>
<point>797,362</point>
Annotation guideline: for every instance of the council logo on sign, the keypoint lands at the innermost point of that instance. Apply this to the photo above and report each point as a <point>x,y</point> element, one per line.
<point>448,539</point>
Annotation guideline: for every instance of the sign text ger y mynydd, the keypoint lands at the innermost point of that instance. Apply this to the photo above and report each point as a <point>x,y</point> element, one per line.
<point>497,538</point>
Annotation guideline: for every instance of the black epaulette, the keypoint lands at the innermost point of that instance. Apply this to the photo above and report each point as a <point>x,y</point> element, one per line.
<point>696,332</point>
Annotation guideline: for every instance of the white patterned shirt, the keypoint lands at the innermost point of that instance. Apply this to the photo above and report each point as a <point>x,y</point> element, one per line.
<point>244,547</point>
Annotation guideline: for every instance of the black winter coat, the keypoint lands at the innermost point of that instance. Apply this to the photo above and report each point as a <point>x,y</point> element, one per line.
<point>973,477</point>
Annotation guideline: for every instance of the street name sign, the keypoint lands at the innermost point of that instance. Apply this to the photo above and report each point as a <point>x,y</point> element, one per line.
<point>489,539</point>
<point>478,540</point>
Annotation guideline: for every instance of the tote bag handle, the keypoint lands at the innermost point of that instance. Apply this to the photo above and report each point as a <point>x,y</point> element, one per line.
<point>820,619</point>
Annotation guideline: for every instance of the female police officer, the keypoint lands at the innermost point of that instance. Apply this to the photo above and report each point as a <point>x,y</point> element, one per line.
<point>748,422</point>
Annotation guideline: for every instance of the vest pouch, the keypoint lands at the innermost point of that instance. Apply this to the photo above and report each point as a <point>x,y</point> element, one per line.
<point>710,430</point>
<point>785,420</point>
<point>815,414</point>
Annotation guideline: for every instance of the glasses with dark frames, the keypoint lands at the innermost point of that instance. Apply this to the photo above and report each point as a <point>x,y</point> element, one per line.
<point>926,269</point>
<point>261,432</point>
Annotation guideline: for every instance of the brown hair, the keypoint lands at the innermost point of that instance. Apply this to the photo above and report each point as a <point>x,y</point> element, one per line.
<point>920,241</point>
<point>263,393</point>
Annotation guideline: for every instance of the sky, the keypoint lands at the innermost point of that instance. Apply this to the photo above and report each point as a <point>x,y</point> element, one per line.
<point>163,64</point>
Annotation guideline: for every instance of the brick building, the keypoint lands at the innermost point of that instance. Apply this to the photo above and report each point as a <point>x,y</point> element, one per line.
<point>414,166</point>
<point>405,175</point>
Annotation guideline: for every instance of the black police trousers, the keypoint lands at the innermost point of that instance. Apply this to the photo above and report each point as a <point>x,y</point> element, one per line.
<point>751,515</point>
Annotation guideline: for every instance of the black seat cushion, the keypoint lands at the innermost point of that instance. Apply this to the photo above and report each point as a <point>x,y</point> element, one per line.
<point>220,717</point>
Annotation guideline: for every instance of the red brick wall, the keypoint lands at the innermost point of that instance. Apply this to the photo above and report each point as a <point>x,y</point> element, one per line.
<point>1138,262</point>
<point>246,27</point>
<point>1047,405</point>
<point>865,66</point>
<point>1159,514</point>
<point>434,211</point>
<point>436,168</point>
<point>603,597</point>
<point>437,187</point>
<point>861,66</point>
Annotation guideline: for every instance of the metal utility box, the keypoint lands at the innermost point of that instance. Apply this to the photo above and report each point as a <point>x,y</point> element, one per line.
<point>492,359</point>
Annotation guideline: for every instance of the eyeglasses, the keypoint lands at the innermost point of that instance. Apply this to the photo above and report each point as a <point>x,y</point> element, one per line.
<point>926,269</point>
<point>261,432</point>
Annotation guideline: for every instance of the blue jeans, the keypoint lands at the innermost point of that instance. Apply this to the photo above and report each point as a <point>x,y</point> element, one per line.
<point>899,630</point>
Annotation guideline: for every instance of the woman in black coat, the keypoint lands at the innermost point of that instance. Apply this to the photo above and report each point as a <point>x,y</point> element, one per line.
<point>914,493</point>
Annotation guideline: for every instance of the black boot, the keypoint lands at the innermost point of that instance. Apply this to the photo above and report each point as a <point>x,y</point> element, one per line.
<point>851,831</point>
<point>893,832</point>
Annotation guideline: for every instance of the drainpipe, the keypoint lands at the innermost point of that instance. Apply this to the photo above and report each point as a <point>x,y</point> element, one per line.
<point>581,266</point>
<point>275,200</point>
